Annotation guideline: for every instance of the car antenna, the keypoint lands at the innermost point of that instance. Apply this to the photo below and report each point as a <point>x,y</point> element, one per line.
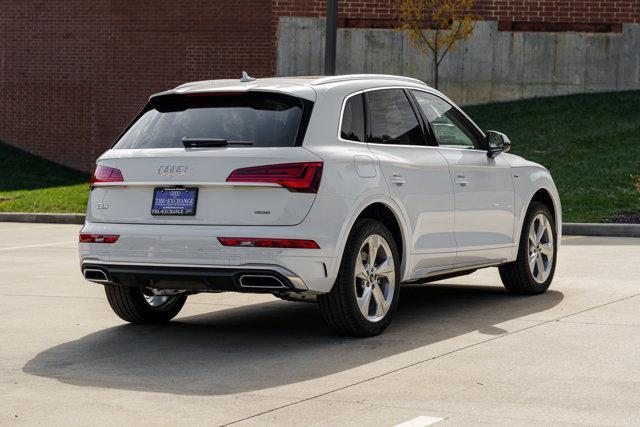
<point>246,78</point>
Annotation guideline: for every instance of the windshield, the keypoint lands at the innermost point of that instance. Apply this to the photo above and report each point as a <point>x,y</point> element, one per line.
<point>264,119</point>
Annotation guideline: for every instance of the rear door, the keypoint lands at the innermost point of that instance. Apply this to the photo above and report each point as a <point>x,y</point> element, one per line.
<point>243,163</point>
<point>417,176</point>
<point>484,192</point>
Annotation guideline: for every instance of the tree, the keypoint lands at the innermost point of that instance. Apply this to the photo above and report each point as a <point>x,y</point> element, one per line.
<point>436,26</point>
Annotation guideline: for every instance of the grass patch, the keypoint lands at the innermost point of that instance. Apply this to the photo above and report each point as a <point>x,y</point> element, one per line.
<point>590,143</point>
<point>30,183</point>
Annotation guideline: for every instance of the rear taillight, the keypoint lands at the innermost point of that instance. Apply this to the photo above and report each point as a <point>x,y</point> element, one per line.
<point>106,174</point>
<point>298,177</point>
<point>249,242</point>
<point>98,238</point>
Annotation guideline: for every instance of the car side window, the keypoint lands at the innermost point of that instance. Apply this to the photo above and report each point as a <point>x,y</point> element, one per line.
<point>392,119</point>
<point>352,127</point>
<point>450,127</point>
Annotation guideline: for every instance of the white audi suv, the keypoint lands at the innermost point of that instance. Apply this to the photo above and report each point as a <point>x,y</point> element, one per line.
<point>335,190</point>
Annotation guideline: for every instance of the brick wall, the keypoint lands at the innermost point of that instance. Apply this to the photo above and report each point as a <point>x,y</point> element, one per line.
<point>583,11</point>
<point>578,11</point>
<point>74,72</point>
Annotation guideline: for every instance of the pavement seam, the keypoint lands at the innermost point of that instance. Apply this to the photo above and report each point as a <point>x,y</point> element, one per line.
<point>102,298</point>
<point>600,324</point>
<point>68,242</point>
<point>48,296</point>
<point>35,227</point>
<point>420,362</point>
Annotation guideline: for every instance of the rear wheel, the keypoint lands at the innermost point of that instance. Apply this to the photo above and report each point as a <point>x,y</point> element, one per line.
<point>365,295</point>
<point>532,272</point>
<point>142,305</point>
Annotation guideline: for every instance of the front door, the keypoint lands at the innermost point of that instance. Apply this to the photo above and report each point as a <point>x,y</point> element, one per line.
<point>483,186</point>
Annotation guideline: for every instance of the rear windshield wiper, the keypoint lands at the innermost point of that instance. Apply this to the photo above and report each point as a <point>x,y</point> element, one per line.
<point>212,142</point>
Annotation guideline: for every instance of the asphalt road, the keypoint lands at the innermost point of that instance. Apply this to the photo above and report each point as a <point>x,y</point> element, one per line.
<point>461,350</point>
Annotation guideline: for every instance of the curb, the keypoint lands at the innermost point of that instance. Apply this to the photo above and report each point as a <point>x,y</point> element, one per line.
<point>50,218</point>
<point>568,229</point>
<point>605,230</point>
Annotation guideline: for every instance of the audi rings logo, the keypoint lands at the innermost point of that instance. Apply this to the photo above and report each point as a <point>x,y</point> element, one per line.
<point>172,170</point>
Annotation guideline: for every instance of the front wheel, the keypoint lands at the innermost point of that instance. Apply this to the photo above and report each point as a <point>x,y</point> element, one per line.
<point>138,305</point>
<point>532,272</point>
<point>365,295</point>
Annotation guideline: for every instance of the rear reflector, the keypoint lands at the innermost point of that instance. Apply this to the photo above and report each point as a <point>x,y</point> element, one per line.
<point>98,238</point>
<point>106,174</point>
<point>297,177</point>
<point>249,242</point>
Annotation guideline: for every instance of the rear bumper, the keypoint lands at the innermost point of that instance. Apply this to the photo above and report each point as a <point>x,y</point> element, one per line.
<point>198,247</point>
<point>246,278</point>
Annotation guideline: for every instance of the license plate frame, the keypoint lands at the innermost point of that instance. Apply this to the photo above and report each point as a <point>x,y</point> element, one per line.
<point>174,209</point>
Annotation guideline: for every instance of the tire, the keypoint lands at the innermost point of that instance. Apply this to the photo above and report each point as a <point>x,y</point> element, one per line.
<point>131,305</point>
<point>340,308</point>
<point>523,277</point>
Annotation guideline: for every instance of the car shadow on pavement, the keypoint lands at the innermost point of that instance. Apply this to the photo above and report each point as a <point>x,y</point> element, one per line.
<point>272,344</point>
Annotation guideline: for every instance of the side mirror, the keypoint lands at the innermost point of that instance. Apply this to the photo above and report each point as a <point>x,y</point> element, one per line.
<point>497,143</point>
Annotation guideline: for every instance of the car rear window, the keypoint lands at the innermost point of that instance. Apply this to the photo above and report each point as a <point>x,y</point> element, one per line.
<point>263,119</point>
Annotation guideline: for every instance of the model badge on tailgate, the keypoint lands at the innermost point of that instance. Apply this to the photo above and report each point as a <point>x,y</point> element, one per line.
<point>172,170</point>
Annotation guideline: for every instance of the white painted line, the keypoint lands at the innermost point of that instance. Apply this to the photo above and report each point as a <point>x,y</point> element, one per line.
<point>38,245</point>
<point>420,421</point>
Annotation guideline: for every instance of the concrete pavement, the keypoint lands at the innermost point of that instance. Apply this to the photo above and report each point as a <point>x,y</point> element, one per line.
<point>461,350</point>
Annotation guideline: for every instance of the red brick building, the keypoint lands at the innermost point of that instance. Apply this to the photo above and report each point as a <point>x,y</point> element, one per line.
<point>376,12</point>
<point>74,72</point>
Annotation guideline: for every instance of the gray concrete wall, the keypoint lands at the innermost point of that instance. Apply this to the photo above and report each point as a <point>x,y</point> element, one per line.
<point>491,66</point>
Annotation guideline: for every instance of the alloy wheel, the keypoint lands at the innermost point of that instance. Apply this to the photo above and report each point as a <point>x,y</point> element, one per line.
<point>541,248</point>
<point>375,278</point>
<point>153,299</point>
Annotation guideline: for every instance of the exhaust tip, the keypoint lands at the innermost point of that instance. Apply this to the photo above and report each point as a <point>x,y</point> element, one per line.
<point>260,281</point>
<point>95,275</point>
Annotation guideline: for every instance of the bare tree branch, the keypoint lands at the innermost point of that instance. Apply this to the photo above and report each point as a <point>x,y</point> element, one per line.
<point>452,40</point>
<point>451,22</point>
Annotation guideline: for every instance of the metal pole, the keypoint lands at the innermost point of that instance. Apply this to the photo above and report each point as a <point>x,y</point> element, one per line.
<point>331,37</point>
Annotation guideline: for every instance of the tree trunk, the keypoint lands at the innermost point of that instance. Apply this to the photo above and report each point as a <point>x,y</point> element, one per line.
<point>435,71</point>
<point>435,61</point>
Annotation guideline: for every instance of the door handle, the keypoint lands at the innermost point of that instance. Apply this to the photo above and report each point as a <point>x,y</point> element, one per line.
<point>397,179</point>
<point>461,180</point>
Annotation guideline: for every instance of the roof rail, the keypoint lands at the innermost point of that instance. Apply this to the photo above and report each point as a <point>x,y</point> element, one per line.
<point>347,77</point>
<point>188,84</point>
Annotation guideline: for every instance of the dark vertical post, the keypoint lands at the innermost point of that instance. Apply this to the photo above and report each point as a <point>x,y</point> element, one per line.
<point>331,38</point>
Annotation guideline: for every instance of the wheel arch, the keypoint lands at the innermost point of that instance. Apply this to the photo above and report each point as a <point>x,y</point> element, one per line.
<point>548,196</point>
<point>385,211</point>
<point>542,195</point>
<point>386,216</point>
